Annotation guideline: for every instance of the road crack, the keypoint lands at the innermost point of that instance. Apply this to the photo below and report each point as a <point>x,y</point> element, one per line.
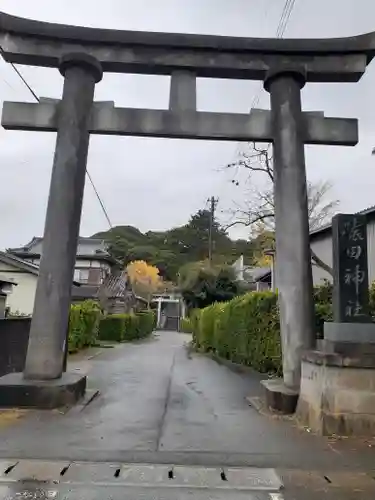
<point>166,404</point>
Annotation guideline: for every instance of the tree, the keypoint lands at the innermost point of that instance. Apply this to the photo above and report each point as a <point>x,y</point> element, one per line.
<point>144,278</point>
<point>263,239</point>
<point>260,207</point>
<point>193,238</point>
<point>202,284</point>
<point>170,250</point>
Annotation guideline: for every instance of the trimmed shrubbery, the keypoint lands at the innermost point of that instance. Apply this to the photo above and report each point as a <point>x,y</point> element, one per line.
<point>125,327</point>
<point>244,330</point>
<point>83,325</point>
<point>323,306</point>
<point>186,325</point>
<point>112,327</point>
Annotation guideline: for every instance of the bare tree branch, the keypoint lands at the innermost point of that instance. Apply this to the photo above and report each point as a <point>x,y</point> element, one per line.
<point>259,204</point>
<point>318,262</point>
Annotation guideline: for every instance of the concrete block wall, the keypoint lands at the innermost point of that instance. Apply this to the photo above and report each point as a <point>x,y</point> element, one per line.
<point>337,399</point>
<point>14,338</point>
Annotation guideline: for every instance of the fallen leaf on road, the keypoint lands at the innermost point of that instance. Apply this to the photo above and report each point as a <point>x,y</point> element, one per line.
<point>8,417</point>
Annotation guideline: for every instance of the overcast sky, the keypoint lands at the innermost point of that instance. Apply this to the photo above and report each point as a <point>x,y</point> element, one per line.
<point>155,184</point>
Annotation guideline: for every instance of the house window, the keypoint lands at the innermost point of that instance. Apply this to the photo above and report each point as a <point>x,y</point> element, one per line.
<point>81,275</point>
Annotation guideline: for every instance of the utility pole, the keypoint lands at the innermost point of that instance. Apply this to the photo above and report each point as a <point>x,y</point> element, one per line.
<point>213,202</point>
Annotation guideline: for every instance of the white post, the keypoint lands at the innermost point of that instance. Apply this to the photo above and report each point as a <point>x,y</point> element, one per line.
<point>159,312</point>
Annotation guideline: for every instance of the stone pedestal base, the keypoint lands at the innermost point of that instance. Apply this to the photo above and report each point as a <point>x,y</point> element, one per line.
<point>17,392</point>
<point>362,333</point>
<point>279,397</point>
<point>337,393</point>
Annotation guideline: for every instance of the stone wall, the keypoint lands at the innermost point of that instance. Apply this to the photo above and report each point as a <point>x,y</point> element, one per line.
<point>337,395</point>
<point>14,337</point>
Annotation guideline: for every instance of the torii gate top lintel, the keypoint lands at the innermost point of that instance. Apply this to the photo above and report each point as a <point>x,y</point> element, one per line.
<point>39,43</point>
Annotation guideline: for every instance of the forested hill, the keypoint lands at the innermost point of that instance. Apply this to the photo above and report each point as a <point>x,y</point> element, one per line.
<point>169,250</point>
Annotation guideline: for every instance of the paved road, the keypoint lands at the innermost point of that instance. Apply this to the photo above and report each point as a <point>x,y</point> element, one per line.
<point>160,405</point>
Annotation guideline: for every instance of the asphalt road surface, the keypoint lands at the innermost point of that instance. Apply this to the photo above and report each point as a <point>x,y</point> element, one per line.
<point>184,416</point>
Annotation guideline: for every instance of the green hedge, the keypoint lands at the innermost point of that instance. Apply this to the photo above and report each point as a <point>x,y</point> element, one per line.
<point>323,306</point>
<point>245,330</point>
<point>84,322</point>
<point>186,325</point>
<point>112,327</point>
<point>126,327</point>
<point>146,323</point>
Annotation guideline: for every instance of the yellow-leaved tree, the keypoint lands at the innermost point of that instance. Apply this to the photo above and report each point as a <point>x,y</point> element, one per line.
<point>144,278</point>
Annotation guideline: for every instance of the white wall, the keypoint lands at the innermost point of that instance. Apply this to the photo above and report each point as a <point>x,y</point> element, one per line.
<point>322,246</point>
<point>79,263</point>
<point>84,248</point>
<point>22,297</point>
<point>238,267</point>
<point>37,248</point>
<point>88,248</point>
<point>371,250</point>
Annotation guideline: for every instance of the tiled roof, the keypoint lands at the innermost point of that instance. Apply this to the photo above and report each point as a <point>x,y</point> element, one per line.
<point>326,227</point>
<point>10,259</point>
<point>25,265</point>
<point>38,239</point>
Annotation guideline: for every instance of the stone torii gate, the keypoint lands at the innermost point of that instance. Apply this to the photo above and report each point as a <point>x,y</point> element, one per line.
<point>82,55</point>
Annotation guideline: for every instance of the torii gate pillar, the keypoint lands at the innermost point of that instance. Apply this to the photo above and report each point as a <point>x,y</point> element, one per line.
<point>293,262</point>
<point>44,360</point>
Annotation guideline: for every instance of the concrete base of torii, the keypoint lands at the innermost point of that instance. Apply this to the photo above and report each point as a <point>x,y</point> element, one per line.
<point>18,392</point>
<point>279,397</point>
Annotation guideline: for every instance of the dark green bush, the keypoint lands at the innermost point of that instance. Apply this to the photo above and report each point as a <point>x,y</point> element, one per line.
<point>126,327</point>
<point>186,325</point>
<point>245,330</point>
<point>112,327</point>
<point>146,323</point>
<point>323,306</point>
<point>84,322</point>
<point>131,326</point>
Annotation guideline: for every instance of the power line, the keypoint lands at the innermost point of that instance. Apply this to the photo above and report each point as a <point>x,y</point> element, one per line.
<point>25,82</point>
<point>280,31</point>
<point>99,199</point>
<point>34,94</point>
<point>21,77</point>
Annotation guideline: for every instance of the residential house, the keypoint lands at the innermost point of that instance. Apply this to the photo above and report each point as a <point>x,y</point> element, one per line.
<point>6,287</point>
<point>321,244</point>
<point>25,275</point>
<point>253,278</point>
<point>93,262</point>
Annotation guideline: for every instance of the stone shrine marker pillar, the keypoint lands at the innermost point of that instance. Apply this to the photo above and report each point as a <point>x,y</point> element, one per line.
<point>352,329</point>
<point>351,286</point>
<point>338,380</point>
